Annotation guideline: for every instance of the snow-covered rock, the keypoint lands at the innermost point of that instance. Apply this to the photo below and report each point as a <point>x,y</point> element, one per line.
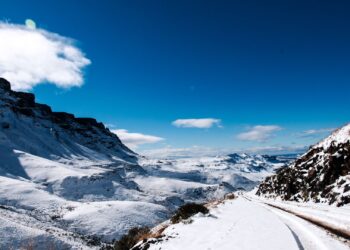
<point>322,174</point>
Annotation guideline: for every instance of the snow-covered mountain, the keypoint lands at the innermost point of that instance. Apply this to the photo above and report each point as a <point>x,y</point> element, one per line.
<point>69,183</point>
<point>234,171</point>
<point>64,181</point>
<point>322,174</point>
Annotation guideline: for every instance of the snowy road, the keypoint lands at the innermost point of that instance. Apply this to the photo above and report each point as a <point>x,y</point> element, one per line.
<point>307,235</point>
<point>246,224</point>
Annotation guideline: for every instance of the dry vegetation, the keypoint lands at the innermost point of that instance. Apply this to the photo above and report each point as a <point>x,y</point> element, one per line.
<point>145,235</point>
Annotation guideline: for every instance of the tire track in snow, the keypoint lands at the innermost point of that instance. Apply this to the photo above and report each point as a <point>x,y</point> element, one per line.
<point>309,234</point>
<point>316,222</point>
<point>309,239</point>
<point>338,232</point>
<point>296,237</point>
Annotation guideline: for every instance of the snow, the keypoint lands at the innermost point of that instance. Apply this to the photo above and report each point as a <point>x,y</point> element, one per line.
<point>166,186</point>
<point>243,224</point>
<point>19,231</point>
<point>108,220</point>
<point>237,170</point>
<point>341,135</point>
<point>231,225</point>
<point>56,196</point>
<point>112,219</point>
<point>334,217</point>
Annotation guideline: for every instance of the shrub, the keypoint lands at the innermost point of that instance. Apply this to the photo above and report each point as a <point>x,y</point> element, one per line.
<point>131,238</point>
<point>230,196</point>
<point>187,210</point>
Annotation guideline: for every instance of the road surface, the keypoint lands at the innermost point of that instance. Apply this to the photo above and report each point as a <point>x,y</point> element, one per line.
<point>248,224</point>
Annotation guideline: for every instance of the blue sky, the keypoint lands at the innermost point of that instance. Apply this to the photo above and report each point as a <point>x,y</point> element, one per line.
<point>276,69</point>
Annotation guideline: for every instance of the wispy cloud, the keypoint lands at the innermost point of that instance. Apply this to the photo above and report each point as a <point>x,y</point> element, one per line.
<point>200,151</point>
<point>171,152</point>
<point>197,123</point>
<point>259,133</point>
<point>30,56</point>
<point>316,132</point>
<point>277,149</point>
<point>133,140</point>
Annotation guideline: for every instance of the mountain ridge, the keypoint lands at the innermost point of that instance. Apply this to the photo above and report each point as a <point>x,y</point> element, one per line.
<point>322,174</point>
<point>89,135</point>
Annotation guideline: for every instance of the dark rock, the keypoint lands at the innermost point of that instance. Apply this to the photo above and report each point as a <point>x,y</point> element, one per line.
<point>5,125</point>
<point>25,99</point>
<point>90,122</point>
<point>312,176</point>
<point>100,125</point>
<point>63,116</point>
<point>44,108</point>
<point>23,111</point>
<point>4,84</point>
<point>87,121</point>
<point>65,125</point>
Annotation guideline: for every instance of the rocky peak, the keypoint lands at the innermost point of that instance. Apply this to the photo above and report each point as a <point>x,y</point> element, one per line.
<point>4,84</point>
<point>341,135</point>
<point>322,174</point>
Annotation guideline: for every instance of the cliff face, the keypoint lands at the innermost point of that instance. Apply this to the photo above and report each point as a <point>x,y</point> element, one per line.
<point>36,129</point>
<point>321,175</point>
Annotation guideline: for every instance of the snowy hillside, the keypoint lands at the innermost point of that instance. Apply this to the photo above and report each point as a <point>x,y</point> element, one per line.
<point>68,182</point>
<point>60,174</point>
<point>322,174</point>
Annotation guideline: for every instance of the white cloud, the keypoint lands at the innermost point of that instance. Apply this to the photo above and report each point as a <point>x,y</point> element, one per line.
<point>278,149</point>
<point>316,132</point>
<point>197,123</point>
<point>200,151</point>
<point>30,56</point>
<point>171,152</point>
<point>133,140</point>
<point>259,133</point>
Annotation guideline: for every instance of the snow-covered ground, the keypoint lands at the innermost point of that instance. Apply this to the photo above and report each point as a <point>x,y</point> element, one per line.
<point>46,199</point>
<point>249,224</point>
<point>97,198</point>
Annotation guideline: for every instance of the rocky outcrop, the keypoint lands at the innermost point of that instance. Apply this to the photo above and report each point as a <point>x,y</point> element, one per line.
<point>4,84</point>
<point>320,175</point>
<point>64,127</point>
